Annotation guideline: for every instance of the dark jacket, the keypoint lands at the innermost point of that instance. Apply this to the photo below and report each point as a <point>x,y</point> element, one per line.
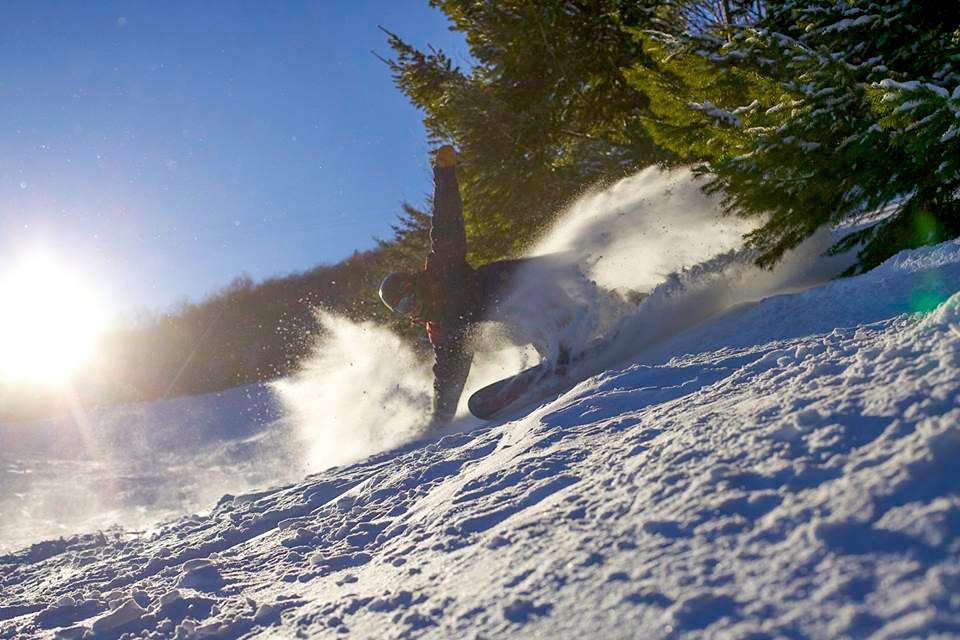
<point>454,295</point>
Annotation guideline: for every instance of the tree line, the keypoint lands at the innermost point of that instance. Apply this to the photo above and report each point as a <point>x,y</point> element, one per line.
<point>801,113</point>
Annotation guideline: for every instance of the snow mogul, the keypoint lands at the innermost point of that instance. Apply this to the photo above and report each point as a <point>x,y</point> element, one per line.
<point>450,297</point>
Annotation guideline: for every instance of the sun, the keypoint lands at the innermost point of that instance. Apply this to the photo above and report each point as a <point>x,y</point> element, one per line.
<point>50,322</point>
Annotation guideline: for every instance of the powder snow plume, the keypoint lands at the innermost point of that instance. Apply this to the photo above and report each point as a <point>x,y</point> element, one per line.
<point>644,228</point>
<point>364,390</point>
<point>657,232</point>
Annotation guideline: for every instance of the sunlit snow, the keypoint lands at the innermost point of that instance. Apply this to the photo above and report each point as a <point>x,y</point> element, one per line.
<point>784,467</point>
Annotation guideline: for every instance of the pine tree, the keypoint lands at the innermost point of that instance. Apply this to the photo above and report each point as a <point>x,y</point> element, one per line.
<point>821,113</point>
<point>544,111</point>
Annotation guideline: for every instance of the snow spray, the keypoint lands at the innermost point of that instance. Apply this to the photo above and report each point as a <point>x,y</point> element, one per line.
<point>362,390</point>
<point>655,233</point>
<point>658,233</point>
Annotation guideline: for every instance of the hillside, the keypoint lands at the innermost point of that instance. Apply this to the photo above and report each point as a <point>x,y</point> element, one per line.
<point>784,470</point>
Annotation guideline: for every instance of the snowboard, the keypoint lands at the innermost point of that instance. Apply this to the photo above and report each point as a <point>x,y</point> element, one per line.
<point>530,385</point>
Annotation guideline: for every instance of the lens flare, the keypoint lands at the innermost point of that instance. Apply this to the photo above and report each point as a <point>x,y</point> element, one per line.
<point>50,322</point>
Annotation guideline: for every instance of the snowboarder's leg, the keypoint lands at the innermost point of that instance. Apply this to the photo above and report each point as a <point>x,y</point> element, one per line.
<point>563,360</point>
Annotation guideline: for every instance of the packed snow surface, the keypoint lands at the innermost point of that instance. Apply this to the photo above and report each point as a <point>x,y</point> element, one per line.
<point>785,469</point>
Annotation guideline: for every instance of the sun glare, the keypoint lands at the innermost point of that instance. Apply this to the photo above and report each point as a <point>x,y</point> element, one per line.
<point>50,322</point>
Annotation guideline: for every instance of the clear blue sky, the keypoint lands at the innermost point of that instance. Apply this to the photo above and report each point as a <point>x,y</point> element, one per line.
<point>164,148</point>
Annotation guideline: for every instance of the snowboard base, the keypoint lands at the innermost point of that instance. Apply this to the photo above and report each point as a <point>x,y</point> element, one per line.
<point>495,398</point>
<point>530,385</point>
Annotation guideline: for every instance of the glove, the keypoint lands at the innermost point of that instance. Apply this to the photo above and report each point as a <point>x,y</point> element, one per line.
<point>446,157</point>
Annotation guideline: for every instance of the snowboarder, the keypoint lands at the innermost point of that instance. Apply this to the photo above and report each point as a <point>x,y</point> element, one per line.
<point>448,295</point>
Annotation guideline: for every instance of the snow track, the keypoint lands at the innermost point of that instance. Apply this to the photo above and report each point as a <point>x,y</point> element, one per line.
<point>786,470</point>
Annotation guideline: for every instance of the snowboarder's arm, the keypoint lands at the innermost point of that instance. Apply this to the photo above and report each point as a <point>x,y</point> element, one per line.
<point>448,238</point>
<point>450,369</point>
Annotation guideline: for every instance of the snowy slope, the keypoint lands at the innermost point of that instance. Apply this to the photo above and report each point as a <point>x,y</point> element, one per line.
<point>786,470</point>
<point>133,464</point>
